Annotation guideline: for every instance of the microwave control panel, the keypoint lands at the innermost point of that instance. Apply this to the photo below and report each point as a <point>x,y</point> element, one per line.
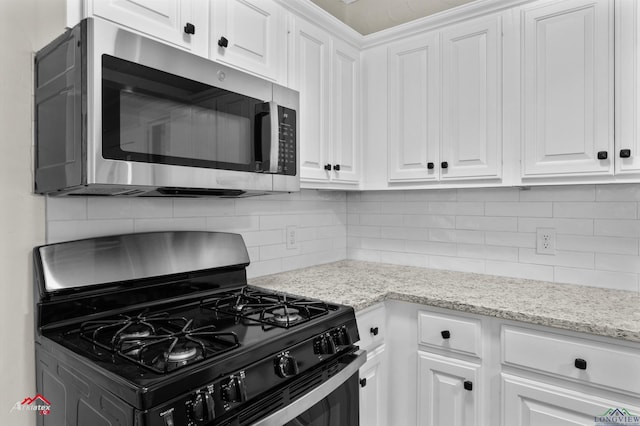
<point>287,152</point>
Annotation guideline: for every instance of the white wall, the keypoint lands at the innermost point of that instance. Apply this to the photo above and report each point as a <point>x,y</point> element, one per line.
<point>319,218</point>
<point>24,27</point>
<point>493,231</point>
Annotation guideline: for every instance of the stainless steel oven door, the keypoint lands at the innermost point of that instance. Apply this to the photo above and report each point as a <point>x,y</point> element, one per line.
<point>333,403</point>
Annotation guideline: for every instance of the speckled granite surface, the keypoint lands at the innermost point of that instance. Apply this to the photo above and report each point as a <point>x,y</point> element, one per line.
<point>611,313</point>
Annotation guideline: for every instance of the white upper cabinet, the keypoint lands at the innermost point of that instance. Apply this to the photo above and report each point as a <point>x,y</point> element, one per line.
<point>312,75</point>
<point>471,103</point>
<point>445,104</point>
<point>414,109</point>
<point>345,119</point>
<point>326,71</point>
<point>627,155</point>
<point>567,79</point>
<point>251,35</point>
<point>180,22</point>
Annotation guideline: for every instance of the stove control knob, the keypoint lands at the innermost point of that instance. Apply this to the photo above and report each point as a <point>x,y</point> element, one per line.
<point>234,390</point>
<point>197,409</point>
<point>341,336</point>
<point>324,345</point>
<point>285,365</point>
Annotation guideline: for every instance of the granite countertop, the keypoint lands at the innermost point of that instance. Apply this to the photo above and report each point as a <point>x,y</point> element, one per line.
<point>610,313</point>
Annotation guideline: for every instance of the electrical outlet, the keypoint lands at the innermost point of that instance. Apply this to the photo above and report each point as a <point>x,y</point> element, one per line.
<point>292,237</point>
<point>546,241</point>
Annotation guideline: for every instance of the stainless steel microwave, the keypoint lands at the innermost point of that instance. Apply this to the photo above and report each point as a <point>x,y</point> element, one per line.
<point>120,114</point>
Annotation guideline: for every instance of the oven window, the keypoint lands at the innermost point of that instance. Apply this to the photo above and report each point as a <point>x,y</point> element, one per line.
<point>340,408</point>
<point>155,117</point>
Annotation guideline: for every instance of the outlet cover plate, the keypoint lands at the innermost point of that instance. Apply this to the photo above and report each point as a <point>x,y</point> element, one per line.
<point>546,241</point>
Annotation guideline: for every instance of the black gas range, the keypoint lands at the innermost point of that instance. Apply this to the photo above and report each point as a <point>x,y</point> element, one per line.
<point>161,329</point>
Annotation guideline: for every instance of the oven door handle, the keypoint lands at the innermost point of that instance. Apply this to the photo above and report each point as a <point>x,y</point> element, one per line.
<point>307,401</point>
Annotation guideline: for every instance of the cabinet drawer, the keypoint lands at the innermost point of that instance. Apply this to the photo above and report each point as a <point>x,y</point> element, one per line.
<point>455,334</point>
<point>596,363</point>
<point>371,326</point>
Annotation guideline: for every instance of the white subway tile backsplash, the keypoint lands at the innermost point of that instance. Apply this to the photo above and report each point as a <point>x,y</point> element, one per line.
<point>484,230</point>
<point>520,209</point>
<point>597,210</point>
<point>562,226</point>
<point>597,278</point>
<point>597,244</point>
<point>559,193</point>
<point>572,259</point>
<point>622,192</point>
<point>520,270</point>
<point>487,223</point>
<point>618,262</point>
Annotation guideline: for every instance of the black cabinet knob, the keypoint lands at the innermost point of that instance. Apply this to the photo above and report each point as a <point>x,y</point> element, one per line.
<point>327,166</point>
<point>602,155</point>
<point>189,28</point>
<point>468,385</point>
<point>444,165</point>
<point>363,383</point>
<point>445,334</point>
<point>336,167</point>
<point>223,42</point>
<point>430,165</point>
<point>374,331</point>
<point>580,364</point>
<point>625,153</point>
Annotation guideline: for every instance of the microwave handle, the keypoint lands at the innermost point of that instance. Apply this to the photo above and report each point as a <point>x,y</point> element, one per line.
<point>274,143</point>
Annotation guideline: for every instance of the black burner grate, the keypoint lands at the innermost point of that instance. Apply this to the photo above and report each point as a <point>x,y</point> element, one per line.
<point>267,308</point>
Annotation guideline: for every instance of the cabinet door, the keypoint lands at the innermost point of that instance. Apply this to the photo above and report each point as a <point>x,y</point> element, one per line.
<point>530,403</point>
<point>255,34</point>
<point>414,105</point>
<point>312,78</point>
<point>447,391</point>
<point>627,87</point>
<point>471,100</point>
<point>166,20</point>
<point>373,390</point>
<point>567,87</point>
<point>345,123</point>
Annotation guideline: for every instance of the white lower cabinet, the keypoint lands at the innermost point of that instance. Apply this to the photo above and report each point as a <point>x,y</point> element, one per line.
<point>435,367</point>
<point>534,403</point>
<point>447,391</point>
<point>373,388</point>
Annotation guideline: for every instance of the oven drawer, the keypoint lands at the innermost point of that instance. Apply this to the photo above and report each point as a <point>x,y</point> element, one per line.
<point>587,361</point>
<point>450,333</point>
<point>371,326</point>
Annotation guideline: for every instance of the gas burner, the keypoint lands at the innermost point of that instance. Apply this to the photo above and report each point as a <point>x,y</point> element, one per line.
<point>168,350</point>
<point>286,315</point>
<point>181,355</point>
<point>269,309</point>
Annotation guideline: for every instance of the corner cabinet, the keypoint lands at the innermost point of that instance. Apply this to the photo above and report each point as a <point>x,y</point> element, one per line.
<point>444,115</point>
<point>326,71</point>
<point>183,23</point>
<point>568,88</point>
<point>250,35</point>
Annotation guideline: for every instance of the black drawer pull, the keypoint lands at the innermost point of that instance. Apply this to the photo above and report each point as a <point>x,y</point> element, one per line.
<point>223,42</point>
<point>468,385</point>
<point>374,331</point>
<point>445,334</point>
<point>625,153</point>
<point>580,364</point>
<point>327,166</point>
<point>444,165</point>
<point>363,382</point>
<point>336,167</point>
<point>430,165</point>
<point>602,155</point>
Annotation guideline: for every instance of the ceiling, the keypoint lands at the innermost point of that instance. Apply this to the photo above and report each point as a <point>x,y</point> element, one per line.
<point>369,16</point>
